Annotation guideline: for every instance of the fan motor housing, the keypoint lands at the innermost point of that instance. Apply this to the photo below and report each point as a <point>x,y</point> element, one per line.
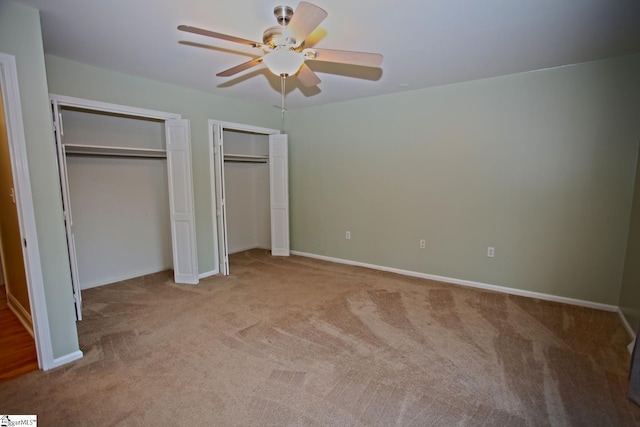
<point>276,36</point>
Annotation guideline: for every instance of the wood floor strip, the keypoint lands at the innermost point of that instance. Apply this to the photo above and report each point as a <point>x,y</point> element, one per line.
<point>17,347</point>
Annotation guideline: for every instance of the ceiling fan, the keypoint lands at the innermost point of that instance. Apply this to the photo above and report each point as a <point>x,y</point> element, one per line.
<point>283,46</point>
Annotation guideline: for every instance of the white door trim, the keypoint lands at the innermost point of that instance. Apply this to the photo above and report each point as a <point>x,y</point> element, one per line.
<point>216,158</point>
<point>217,180</point>
<point>26,215</point>
<point>242,127</point>
<point>89,104</point>
<point>214,205</point>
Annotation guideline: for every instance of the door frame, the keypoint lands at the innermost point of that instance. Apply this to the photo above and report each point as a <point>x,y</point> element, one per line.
<point>214,178</point>
<point>58,101</point>
<point>26,213</point>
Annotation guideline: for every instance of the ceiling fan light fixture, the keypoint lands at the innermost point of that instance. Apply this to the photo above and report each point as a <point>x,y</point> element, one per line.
<point>283,46</point>
<point>283,61</point>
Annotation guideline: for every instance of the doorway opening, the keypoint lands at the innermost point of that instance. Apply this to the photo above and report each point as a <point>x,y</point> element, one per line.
<point>18,353</point>
<point>249,175</point>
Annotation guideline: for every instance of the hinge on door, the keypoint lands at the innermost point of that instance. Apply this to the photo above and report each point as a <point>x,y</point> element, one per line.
<point>54,120</point>
<point>24,241</point>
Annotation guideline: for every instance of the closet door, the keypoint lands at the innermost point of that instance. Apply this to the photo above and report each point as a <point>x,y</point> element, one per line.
<point>221,209</point>
<point>183,234</point>
<point>66,208</point>
<point>279,185</point>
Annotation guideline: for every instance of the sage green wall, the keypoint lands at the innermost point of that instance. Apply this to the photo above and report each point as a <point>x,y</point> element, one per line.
<point>20,36</point>
<point>83,81</point>
<point>539,165</point>
<point>629,302</point>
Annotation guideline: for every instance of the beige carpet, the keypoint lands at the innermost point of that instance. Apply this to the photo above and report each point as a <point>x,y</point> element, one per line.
<point>297,342</point>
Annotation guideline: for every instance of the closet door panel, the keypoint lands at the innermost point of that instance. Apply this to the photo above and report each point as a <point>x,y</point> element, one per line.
<point>279,241</point>
<point>180,194</point>
<point>221,209</point>
<point>183,230</point>
<point>279,180</point>
<point>279,188</point>
<point>185,259</point>
<point>64,185</point>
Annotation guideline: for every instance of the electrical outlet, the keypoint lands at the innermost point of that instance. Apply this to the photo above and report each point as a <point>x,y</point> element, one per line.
<point>491,251</point>
<point>423,243</point>
<point>347,235</point>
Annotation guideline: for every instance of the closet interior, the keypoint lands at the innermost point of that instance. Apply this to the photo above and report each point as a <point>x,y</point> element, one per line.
<point>247,192</point>
<point>117,193</point>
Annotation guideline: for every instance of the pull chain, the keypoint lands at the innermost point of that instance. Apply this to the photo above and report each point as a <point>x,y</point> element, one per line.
<point>282,87</point>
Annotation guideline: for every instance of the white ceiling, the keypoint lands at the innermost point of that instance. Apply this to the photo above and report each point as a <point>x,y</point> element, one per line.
<point>424,42</point>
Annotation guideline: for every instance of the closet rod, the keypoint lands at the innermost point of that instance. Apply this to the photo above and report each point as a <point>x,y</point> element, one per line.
<point>244,161</point>
<point>245,158</point>
<point>117,155</point>
<point>97,150</point>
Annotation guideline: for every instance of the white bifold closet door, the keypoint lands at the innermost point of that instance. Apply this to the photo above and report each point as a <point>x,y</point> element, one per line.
<point>278,190</point>
<point>183,227</point>
<point>279,186</point>
<point>220,208</point>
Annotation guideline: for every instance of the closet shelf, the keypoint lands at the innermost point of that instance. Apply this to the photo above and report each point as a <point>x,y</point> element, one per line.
<point>245,158</point>
<point>98,150</point>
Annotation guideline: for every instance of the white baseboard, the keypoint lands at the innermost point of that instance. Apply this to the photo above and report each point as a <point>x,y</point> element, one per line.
<point>469,283</point>
<point>121,278</point>
<point>246,248</point>
<point>629,329</point>
<point>67,358</point>
<point>23,316</point>
<point>626,324</point>
<point>133,276</point>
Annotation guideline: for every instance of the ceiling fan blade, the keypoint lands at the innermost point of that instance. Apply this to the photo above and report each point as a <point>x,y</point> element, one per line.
<point>344,57</point>
<point>304,20</point>
<point>202,32</point>
<point>241,67</point>
<point>307,77</point>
